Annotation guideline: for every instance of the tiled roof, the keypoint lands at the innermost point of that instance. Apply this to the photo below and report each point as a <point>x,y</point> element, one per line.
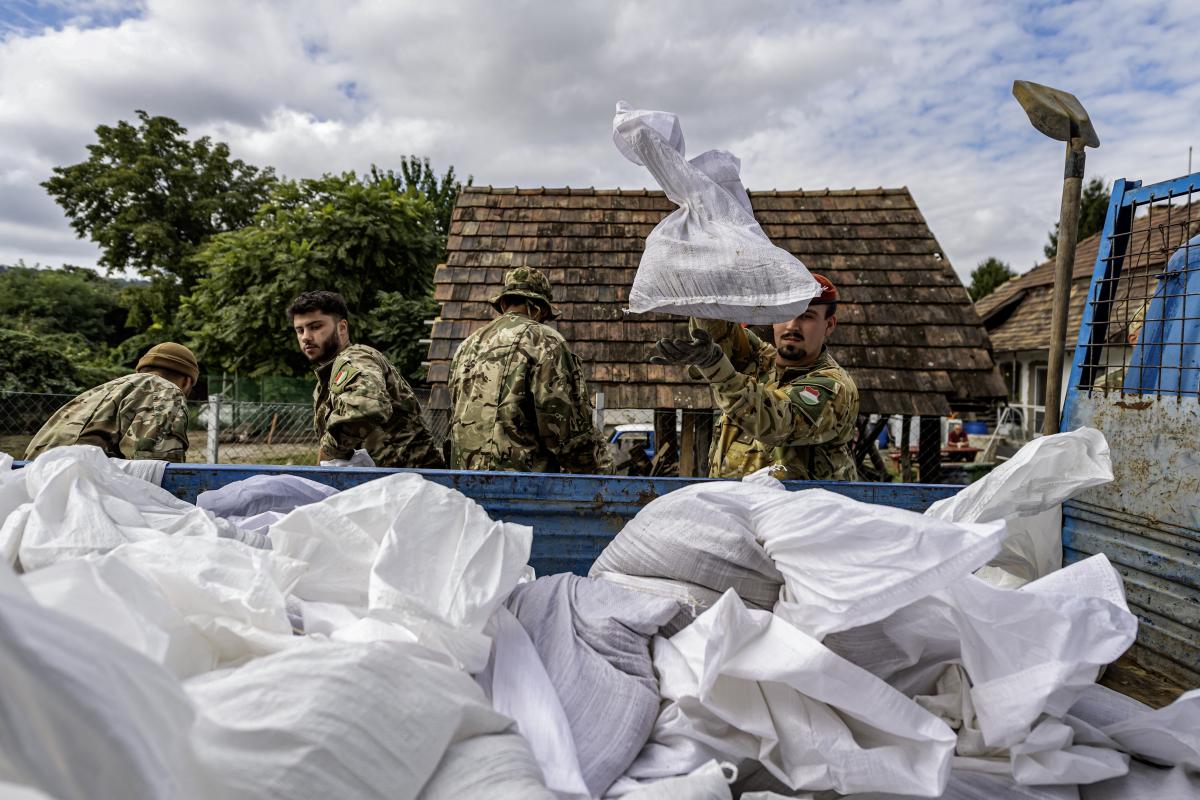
<point>1017,314</point>
<point>907,331</point>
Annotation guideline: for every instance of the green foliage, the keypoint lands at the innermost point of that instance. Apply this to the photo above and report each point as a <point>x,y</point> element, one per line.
<point>149,197</point>
<point>71,300</point>
<point>396,327</point>
<point>417,176</point>
<point>1093,209</point>
<point>988,276</point>
<point>359,237</point>
<point>29,363</point>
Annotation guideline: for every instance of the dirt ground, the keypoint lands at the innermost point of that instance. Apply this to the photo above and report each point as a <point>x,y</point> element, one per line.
<point>300,454</point>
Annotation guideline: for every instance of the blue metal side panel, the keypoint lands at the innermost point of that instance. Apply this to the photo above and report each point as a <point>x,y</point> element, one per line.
<point>573,516</point>
<point>1147,521</point>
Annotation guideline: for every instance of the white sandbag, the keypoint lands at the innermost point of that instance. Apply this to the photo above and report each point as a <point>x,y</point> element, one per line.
<point>516,681</point>
<point>709,258</point>
<point>709,782</point>
<point>693,600</point>
<point>82,716</point>
<point>1169,736</point>
<point>261,493</point>
<point>594,639</point>
<point>13,495</point>
<point>495,767</point>
<point>1050,755</point>
<point>746,684</point>
<point>82,504</point>
<point>1027,491</point>
<point>847,563</point>
<point>964,785</point>
<point>329,720</point>
<point>703,535</point>
<point>148,469</point>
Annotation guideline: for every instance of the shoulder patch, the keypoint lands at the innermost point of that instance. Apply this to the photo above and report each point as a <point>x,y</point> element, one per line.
<point>809,395</point>
<point>343,373</point>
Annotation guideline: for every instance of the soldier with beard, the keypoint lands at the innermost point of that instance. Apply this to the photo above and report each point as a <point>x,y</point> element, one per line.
<point>361,402</point>
<point>790,406</point>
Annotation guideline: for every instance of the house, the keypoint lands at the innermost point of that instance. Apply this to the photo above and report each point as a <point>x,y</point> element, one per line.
<point>907,330</point>
<point>1017,315</point>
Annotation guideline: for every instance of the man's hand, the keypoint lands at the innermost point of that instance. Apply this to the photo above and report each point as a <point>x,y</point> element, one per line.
<point>699,350</point>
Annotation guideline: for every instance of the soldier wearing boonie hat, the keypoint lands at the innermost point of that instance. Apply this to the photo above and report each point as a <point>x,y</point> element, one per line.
<point>142,415</point>
<point>518,397</point>
<point>790,405</point>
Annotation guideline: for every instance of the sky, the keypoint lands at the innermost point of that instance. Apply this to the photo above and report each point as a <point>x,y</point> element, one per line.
<point>809,95</point>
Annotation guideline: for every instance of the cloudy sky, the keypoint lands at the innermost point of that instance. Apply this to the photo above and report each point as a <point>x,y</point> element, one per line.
<point>810,95</point>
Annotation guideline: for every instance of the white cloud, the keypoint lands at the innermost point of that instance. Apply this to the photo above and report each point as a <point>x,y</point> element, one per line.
<point>860,93</point>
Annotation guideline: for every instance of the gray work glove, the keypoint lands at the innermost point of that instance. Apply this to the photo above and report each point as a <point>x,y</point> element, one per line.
<point>699,350</point>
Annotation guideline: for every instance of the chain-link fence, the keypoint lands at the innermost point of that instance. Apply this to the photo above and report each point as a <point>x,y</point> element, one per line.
<point>219,431</point>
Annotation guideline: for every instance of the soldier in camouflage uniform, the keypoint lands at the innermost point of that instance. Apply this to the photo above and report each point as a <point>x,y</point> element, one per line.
<point>789,406</point>
<point>142,415</point>
<point>518,396</point>
<point>361,402</point>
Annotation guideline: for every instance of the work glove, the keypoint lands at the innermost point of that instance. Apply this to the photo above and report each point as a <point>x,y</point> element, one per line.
<point>699,350</point>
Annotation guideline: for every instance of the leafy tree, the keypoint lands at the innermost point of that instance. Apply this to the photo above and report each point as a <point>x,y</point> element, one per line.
<point>1093,209</point>
<point>149,197</point>
<point>396,327</point>
<point>416,175</point>
<point>70,300</point>
<point>30,364</point>
<point>988,276</point>
<point>358,236</point>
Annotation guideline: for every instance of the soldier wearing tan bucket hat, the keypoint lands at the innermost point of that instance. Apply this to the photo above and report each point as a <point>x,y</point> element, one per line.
<point>140,415</point>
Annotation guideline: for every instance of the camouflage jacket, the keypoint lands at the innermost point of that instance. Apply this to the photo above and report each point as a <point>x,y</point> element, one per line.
<point>362,402</point>
<point>135,416</point>
<point>799,418</point>
<point>519,402</point>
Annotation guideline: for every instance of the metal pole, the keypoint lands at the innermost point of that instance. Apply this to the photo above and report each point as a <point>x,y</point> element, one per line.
<point>214,427</point>
<point>1068,234</point>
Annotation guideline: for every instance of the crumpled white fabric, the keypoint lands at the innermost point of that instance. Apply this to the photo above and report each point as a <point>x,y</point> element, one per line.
<point>191,604</point>
<point>742,683</point>
<point>710,781</point>
<point>1027,492</point>
<point>426,561</point>
<point>709,258</point>
<point>846,563</point>
<point>325,720</point>
<point>81,504</point>
<point>498,766</point>
<point>516,681</point>
<point>82,716</point>
<point>149,470</point>
<point>259,494</point>
<point>360,458</point>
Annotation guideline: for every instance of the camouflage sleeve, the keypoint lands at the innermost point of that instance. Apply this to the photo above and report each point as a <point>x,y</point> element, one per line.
<point>813,410</point>
<point>741,347</point>
<point>157,426</point>
<point>564,413</point>
<point>359,403</point>
<point>414,442</point>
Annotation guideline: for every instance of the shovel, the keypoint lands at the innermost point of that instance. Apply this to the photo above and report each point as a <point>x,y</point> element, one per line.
<point>1060,116</point>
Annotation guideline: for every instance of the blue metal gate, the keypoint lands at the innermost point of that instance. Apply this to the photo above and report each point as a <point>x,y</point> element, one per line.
<point>1136,377</point>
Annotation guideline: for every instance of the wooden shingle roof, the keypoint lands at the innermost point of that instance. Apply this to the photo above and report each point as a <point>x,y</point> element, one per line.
<point>907,331</point>
<point>1017,315</point>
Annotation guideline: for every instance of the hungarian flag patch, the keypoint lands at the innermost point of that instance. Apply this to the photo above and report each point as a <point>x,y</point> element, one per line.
<point>340,378</point>
<point>809,395</point>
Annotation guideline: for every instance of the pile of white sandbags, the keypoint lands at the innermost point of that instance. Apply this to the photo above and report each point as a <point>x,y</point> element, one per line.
<point>391,642</point>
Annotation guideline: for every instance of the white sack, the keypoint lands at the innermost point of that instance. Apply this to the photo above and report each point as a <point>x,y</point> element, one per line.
<point>1169,736</point>
<point>519,688</point>
<point>1027,652</point>
<point>13,495</point>
<point>148,469</point>
<point>594,639</point>
<point>693,600</point>
<point>703,535</point>
<point>1027,491</point>
<point>494,767</point>
<point>979,786</point>
<point>329,720</point>
<point>709,782</point>
<point>745,684</point>
<point>1146,781</point>
<point>82,716</point>
<point>262,493</point>
<point>846,563</point>
<point>82,504</point>
<point>709,258</point>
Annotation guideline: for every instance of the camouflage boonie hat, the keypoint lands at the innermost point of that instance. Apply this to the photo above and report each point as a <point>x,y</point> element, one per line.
<point>526,282</point>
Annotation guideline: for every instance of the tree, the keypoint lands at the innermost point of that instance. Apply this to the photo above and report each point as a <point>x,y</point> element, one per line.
<point>29,364</point>
<point>360,237</point>
<point>149,197</point>
<point>1093,209</point>
<point>988,276</point>
<point>416,175</point>
<point>70,300</point>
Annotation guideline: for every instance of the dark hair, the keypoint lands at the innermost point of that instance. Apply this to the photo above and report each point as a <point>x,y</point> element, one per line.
<point>330,303</point>
<point>830,309</point>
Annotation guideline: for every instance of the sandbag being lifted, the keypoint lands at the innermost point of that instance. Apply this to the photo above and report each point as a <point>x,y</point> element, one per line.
<point>709,258</point>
